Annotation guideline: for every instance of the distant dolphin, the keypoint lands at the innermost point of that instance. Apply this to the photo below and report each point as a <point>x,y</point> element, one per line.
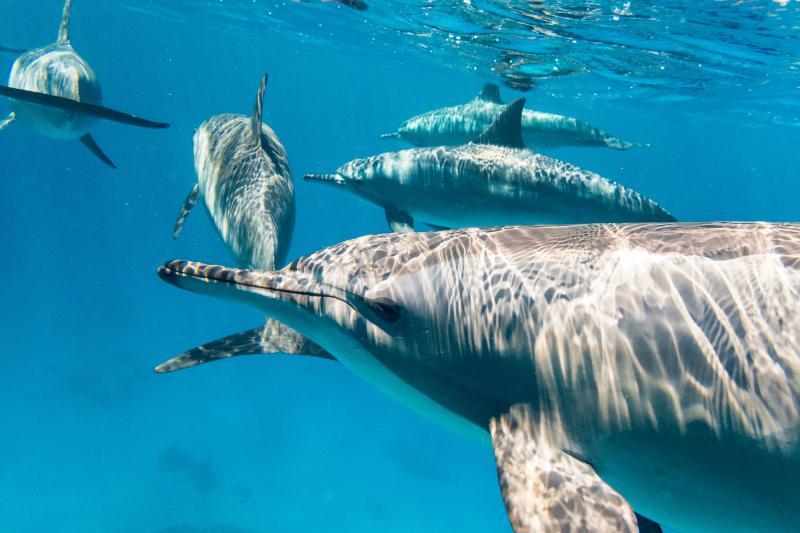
<point>54,92</point>
<point>653,366</point>
<point>451,126</point>
<point>359,5</point>
<point>6,49</point>
<point>490,182</point>
<point>244,177</point>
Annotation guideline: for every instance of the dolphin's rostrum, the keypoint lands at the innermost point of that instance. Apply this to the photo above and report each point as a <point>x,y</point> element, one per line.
<point>645,366</point>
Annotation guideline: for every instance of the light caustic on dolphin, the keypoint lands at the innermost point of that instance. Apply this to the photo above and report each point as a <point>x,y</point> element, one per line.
<point>653,367</point>
<point>53,91</point>
<point>451,126</point>
<point>490,181</point>
<point>244,178</point>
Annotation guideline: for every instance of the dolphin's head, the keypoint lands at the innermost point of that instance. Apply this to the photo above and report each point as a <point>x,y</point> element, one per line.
<point>380,179</point>
<point>391,307</point>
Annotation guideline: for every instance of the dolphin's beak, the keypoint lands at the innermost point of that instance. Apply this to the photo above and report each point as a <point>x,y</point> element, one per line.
<point>266,290</point>
<point>333,179</point>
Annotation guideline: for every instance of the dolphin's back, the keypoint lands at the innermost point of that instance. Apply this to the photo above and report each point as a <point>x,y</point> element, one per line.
<point>247,188</point>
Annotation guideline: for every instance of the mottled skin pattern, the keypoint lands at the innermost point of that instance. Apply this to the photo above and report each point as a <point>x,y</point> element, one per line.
<point>488,185</point>
<point>273,337</point>
<point>547,490</point>
<point>452,126</point>
<point>56,69</point>
<point>666,356</point>
<point>248,190</point>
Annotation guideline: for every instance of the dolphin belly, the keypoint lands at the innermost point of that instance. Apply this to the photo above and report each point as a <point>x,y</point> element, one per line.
<point>678,479</point>
<point>488,209</point>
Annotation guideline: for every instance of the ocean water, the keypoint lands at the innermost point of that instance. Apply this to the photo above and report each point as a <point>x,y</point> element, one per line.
<point>94,441</point>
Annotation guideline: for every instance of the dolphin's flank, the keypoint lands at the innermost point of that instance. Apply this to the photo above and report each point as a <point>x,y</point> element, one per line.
<point>609,365</point>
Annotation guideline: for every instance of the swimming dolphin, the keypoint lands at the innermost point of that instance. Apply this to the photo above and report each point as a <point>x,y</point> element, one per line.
<point>54,92</point>
<point>489,182</point>
<point>358,5</point>
<point>651,366</point>
<point>7,50</point>
<point>244,177</point>
<point>451,126</point>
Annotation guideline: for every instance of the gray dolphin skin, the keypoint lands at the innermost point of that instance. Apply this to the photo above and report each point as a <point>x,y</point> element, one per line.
<point>492,181</point>
<point>451,126</point>
<point>54,92</point>
<point>244,178</point>
<point>613,367</point>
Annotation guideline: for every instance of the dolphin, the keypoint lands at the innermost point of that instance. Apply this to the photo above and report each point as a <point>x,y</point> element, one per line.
<point>244,178</point>
<point>8,50</point>
<point>491,181</point>
<point>54,92</point>
<point>358,5</point>
<point>452,126</point>
<point>611,367</point>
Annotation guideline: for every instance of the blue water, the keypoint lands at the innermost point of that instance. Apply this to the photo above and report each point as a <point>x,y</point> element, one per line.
<point>94,441</point>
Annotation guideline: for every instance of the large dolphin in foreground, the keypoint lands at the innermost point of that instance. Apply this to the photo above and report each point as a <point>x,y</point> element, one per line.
<point>653,367</point>
<point>451,126</point>
<point>491,181</point>
<point>244,177</point>
<point>54,91</point>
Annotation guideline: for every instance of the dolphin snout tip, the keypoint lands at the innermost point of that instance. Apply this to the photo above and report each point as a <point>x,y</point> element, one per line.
<point>174,270</point>
<point>327,178</point>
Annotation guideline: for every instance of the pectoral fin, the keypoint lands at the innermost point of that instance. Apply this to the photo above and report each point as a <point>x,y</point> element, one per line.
<point>188,204</point>
<point>399,221</point>
<point>67,104</point>
<point>89,142</point>
<point>6,122</point>
<point>545,489</point>
<point>271,338</point>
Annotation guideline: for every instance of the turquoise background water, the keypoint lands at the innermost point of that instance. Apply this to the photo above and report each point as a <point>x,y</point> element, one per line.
<point>94,441</point>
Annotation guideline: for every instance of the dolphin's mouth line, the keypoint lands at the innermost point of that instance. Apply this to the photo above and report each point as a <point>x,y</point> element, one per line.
<point>215,274</point>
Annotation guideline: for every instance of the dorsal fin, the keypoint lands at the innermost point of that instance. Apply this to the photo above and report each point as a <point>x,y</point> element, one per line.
<point>490,93</point>
<point>506,129</point>
<point>258,109</point>
<point>63,31</point>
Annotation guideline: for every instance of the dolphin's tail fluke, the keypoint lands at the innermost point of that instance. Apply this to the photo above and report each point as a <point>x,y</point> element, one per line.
<point>394,135</point>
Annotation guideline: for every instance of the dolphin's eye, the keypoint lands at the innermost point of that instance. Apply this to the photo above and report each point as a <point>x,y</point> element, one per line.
<point>387,310</point>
